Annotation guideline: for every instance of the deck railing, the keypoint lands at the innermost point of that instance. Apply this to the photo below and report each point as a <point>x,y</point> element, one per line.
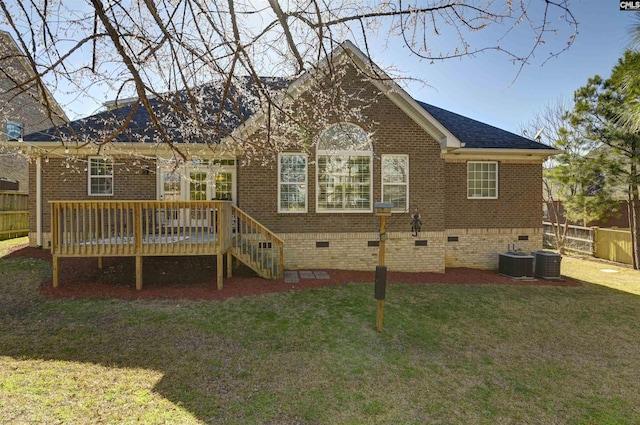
<point>140,228</point>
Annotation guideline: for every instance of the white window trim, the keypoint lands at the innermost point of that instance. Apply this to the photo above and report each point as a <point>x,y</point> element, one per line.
<point>306,184</point>
<point>90,176</point>
<point>497,179</point>
<point>368,153</point>
<point>382,183</point>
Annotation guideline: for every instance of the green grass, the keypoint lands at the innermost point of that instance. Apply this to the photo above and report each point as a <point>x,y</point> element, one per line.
<point>616,276</point>
<point>448,354</point>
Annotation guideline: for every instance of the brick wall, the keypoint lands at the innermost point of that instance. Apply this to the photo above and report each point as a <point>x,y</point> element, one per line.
<point>479,248</point>
<point>482,227</point>
<point>473,248</point>
<point>395,133</point>
<point>352,251</point>
<point>71,183</point>
<point>439,190</point>
<point>519,202</point>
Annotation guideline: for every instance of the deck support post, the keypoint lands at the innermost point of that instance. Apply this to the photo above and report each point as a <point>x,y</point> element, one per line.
<point>138,272</point>
<point>220,269</point>
<point>100,263</point>
<point>55,263</point>
<point>229,264</point>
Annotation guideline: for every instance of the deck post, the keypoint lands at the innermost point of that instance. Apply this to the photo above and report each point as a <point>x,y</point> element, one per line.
<point>229,264</point>
<point>138,272</point>
<point>220,269</point>
<point>55,262</point>
<point>100,263</point>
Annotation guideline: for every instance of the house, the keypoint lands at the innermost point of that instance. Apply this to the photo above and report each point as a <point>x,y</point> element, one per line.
<point>22,111</point>
<point>312,193</point>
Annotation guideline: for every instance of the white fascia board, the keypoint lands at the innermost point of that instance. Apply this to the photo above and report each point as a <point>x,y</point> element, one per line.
<point>160,150</point>
<point>403,100</point>
<point>494,154</point>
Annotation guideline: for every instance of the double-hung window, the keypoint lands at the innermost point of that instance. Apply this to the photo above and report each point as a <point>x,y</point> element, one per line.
<point>100,176</point>
<point>14,130</point>
<point>482,180</point>
<point>292,183</point>
<point>344,157</point>
<point>395,181</point>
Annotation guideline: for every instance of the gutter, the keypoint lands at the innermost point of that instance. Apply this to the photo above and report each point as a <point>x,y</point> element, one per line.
<point>498,154</point>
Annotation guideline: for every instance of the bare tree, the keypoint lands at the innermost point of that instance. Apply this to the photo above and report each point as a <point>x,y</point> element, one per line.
<point>576,185</point>
<point>167,54</point>
<point>549,126</point>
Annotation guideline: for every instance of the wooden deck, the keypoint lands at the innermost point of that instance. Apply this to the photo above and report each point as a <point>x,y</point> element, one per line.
<point>142,228</point>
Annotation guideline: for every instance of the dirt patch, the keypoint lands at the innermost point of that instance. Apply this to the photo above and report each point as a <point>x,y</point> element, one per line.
<point>194,277</point>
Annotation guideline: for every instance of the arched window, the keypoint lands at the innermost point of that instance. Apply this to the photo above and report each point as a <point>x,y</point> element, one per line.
<point>344,158</point>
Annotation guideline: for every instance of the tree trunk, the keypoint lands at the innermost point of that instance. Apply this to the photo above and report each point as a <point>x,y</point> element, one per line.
<point>554,218</point>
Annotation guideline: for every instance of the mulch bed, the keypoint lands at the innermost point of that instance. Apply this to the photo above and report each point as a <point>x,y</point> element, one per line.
<point>194,277</point>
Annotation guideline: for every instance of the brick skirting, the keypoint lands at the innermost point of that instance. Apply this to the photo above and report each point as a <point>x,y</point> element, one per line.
<point>479,248</point>
<point>429,252</point>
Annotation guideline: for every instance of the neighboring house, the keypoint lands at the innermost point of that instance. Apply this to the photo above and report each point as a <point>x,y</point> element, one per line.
<point>476,187</point>
<point>21,109</point>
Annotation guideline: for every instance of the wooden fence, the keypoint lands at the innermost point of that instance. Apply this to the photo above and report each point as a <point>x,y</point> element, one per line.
<point>14,215</point>
<point>608,244</point>
<point>613,245</point>
<point>579,239</point>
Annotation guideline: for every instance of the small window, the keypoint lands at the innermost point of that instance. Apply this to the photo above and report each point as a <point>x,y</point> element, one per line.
<point>14,130</point>
<point>482,180</point>
<point>292,183</point>
<point>395,181</point>
<point>100,176</point>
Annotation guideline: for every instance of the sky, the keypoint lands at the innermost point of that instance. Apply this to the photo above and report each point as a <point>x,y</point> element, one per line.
<point>481,87</point>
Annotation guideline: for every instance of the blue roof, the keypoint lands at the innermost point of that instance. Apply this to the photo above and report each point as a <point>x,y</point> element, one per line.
<point>478,135</point>
<point>218,124</point>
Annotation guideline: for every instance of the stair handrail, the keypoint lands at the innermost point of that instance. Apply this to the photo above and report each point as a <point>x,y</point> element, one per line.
<point>264,231</point>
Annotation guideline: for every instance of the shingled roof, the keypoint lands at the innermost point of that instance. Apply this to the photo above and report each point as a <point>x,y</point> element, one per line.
<point>474,134</point>
<point>478,135</point>
<point>140,128</point>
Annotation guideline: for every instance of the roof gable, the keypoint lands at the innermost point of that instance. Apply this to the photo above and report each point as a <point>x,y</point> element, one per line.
<point>240,117</point>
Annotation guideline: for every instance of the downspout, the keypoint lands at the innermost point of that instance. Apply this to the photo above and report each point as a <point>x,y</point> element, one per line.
<point>39,202</point>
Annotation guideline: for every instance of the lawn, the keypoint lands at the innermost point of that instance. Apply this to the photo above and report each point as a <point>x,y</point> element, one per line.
<point>448,354</point>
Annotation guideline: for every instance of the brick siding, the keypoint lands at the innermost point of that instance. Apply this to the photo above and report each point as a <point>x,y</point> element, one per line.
<point>130,182</point>
<point>479,248</point>
<point>519,202</point>
<point>352,251</point>
<point>395,133</point>
<point>438,189</point>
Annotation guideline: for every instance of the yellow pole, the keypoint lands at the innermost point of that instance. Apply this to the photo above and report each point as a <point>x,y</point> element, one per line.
<point>383,237</point>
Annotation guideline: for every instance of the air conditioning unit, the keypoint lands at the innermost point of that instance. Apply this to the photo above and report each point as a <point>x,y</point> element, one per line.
<point>548,265</point>
<point>515,264</point>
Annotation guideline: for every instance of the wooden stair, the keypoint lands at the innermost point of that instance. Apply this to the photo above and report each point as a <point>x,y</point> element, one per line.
<point>256,246</point>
